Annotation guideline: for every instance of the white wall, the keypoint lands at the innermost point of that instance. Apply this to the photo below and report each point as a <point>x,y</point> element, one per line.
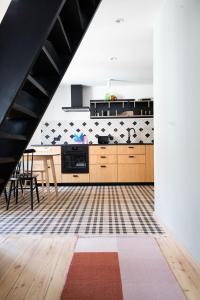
<point>62,97</point>
<point>3,8</point>
<point>177,120</point>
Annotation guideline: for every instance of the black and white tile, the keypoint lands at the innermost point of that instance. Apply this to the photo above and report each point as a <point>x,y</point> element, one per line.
<point>59,132</point>
<point>84,210</point>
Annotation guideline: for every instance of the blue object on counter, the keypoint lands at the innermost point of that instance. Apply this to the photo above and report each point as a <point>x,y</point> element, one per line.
<point>78,137</point>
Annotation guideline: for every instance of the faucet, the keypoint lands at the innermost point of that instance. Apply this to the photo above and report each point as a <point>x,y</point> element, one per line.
<point>129,136</point>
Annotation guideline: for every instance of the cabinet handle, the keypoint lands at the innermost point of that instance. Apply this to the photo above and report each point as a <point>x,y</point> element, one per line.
<point>103,147</point>
<point>131,147</point>
<point>103,156</point>
<point>103,166</point>
<point>131,156</point>
<point>75,175</point>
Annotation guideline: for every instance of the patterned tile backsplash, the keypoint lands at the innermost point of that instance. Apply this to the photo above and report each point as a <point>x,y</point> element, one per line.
<point>59,132</point>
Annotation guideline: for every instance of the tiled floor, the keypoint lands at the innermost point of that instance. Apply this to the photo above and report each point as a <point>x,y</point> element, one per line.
<point>85,210</point>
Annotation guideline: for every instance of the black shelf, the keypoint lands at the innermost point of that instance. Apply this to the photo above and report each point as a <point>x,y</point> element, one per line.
<point>121,108</point>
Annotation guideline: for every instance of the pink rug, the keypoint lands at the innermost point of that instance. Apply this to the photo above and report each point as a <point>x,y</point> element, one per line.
<point>143,271</point>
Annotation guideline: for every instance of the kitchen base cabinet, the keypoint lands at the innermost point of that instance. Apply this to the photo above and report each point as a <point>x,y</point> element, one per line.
<point>75,178</point>
<point>149,164</point>
<point>103,173</point>
<point>131,173</point>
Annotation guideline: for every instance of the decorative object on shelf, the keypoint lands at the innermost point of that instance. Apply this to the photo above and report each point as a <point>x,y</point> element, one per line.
<point>113,98</point>
<point>107,97</point>
<point>110,97</point>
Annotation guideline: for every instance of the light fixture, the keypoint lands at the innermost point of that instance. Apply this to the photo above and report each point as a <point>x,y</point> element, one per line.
<point>119,20</point>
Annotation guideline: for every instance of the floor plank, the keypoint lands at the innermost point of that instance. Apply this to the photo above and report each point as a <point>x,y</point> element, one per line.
<point>187,276</point>
<point>32,267</point>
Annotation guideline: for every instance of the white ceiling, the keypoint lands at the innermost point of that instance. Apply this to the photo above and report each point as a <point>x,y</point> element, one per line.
<point>130,41</point>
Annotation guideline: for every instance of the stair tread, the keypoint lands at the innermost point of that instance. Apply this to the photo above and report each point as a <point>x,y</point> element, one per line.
<point>34,82</point>
<point>50,58</point>
<point>64,33</point>
<point>5,160</point>
<point>12,136</point>
<point>24,110</point>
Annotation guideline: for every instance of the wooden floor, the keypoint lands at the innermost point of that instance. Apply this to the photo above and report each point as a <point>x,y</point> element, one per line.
<point>184,268</point>
<point>35,267</point>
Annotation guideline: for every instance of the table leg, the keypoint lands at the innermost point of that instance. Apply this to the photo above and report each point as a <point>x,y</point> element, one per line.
<point>46,175</point>
<point>54,174</point>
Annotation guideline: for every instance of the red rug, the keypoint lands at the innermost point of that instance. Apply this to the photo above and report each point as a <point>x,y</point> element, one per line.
<point>93,276</point>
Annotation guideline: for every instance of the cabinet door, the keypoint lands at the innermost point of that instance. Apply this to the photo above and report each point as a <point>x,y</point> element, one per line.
<point>103,173</point>
<point>131,173</point>
<point>149,163</point>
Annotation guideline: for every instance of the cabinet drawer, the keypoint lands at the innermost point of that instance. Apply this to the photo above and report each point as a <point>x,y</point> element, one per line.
<point>131,149</point>
<point>131,159</point>
<point>75,178</point>
<point>103,173</point>
<point>103,159</point>
<point>103,149</point>
<point>131,173</point>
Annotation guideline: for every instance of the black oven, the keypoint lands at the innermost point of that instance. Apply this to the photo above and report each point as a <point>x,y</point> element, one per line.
<point>74,158</point>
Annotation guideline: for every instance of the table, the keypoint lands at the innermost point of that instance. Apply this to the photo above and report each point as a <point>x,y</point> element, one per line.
<point>45,157</point>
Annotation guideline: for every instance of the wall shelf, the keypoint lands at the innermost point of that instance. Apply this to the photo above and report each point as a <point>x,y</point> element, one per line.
<point>122,108</point>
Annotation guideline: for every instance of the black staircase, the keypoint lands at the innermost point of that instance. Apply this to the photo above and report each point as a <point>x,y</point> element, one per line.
<point>38,39</point>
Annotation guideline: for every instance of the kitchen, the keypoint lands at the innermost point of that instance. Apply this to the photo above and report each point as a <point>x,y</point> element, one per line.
<point>93,217</point>
<point>121,156</point>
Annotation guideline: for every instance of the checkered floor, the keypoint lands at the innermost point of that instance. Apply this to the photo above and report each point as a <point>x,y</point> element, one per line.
<point>84,210</point>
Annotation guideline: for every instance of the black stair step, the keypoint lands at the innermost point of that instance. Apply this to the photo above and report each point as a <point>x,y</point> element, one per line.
<point>7,160</point>
<point>52,56</point>
<point>21,109</point>
<point>63,32</point>
<point>2,180</point>
<point>35,84</point>
<point>10,136</point>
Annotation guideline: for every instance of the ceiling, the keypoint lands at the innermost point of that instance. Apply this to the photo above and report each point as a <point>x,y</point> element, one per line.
<point>130,43</point>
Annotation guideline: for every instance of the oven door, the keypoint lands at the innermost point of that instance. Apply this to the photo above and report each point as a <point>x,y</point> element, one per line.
<point>75,162</point>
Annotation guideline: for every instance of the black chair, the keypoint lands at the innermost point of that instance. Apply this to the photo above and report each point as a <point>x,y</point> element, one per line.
<point>15,184</point>
<point>27,175</point>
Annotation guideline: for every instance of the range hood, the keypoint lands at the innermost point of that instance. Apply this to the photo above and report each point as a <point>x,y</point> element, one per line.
<point>76,100</point>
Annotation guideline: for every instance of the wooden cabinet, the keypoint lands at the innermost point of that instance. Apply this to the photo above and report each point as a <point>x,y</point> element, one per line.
<point>131,159</point>
<point>131,172</point>
<point>103,159</point>
<point>149,163</point>
<point>103,163</point>
<point>103,173</point>
<point>131,163</point>
<point>131,149</point>
<point>101,150</point>
<point>75,178</point>
<point>108,163</point>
